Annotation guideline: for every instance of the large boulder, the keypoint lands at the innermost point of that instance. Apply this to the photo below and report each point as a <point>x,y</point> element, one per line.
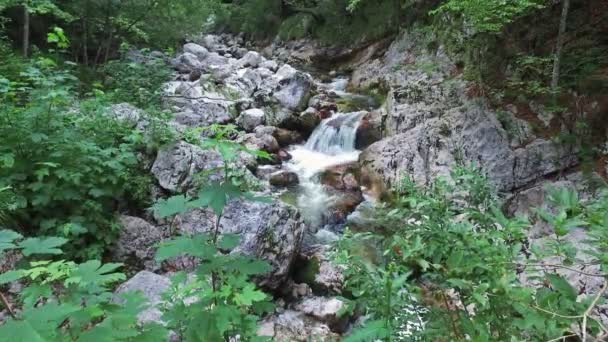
<point>176,165</point>
<point>250,119</point>
<point>250,59</point>
<point>429,146</point>
<point>269,231</point>
<point>187,62</point>
<point>151,286</point>
<point>294,91</point>
<point>243,83</point>
<point>136,242</point>
<point>196,50</point>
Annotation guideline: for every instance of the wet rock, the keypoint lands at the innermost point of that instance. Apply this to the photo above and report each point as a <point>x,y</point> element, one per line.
<point>294,326</point>
<point>250,119</point>
<point>176,165</point>
<point>283,179</point>
<point>152,286</point>
<point>342,203</point>
<point>341,177</point>
<point>284,155</point>
<point>264,171</point>
<point>369,130</point>
<point>286,137</point>
<point>200,52</point>
<point>362,218</point>
<point>136,242</point>
<point>425,152</point>
<point>269,231</point>
<point>309,120</point>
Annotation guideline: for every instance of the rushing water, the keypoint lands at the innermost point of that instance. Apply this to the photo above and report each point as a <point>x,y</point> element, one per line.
<point>332,143</point>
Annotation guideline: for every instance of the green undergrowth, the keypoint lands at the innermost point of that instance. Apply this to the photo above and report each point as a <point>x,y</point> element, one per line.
<point>450,258</point>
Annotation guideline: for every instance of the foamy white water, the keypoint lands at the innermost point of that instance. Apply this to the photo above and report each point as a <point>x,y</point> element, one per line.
<point>331,144</point>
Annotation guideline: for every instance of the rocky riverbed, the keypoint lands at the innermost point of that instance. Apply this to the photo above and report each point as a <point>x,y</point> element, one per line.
<point>333,154</point>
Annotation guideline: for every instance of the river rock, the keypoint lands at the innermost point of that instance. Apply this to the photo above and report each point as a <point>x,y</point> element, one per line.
<point>294,326</point>
<point>270,65</point>
<point>187,62</point>
<point>243,83</point>
<point>264,171</point>
<point>369,130</point>
<point>137,242</point>
<point>362,218</point>
<point>200,52</point>
<point>324,309</point>
<point>341,177</point>
<point>175,165</point>
<point>251,118</point>
<point>151,286</point>
<point>284,155</point>
<point>250,59</point>
<point>286,137</point>
<point>309,120</point>
<point>283,179</point>
<point>282,117</point>
<point>269,231</point>
<point>260,141</point>
<point>294,91</point>
<point>341,204</point>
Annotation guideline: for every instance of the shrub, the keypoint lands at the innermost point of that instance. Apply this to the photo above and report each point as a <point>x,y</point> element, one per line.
<point>69,163</point>
<point>448,249</point>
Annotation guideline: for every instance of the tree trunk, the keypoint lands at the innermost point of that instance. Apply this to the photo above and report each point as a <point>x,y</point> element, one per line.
<point>26,31</point>
<point>560,43</point>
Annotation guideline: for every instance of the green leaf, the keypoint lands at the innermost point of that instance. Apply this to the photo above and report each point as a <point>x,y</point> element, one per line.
<point>229,241</point>
<point>371,331</point>
<point>11,276</point>
<point>47,245</point>
<point>196,245</point>
<point>171,206</point>
<point>95,275</point>
<point>562,286</point>
<point>7,237</point>
<point>20,331</point>
<point>249,295</point>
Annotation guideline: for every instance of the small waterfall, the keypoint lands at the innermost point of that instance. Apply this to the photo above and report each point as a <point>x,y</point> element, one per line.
<point>336,134</point>
<point>332,143</point>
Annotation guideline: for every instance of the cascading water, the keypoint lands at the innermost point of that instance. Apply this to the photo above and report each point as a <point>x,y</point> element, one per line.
<point>332,143</point>
<point>336,134</point>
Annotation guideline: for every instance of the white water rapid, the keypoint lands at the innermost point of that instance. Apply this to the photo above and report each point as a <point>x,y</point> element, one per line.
<point>332,143</point>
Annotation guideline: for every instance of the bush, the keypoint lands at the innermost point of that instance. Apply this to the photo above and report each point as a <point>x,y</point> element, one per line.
<point>69,163</point>
<point>449,255</point>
